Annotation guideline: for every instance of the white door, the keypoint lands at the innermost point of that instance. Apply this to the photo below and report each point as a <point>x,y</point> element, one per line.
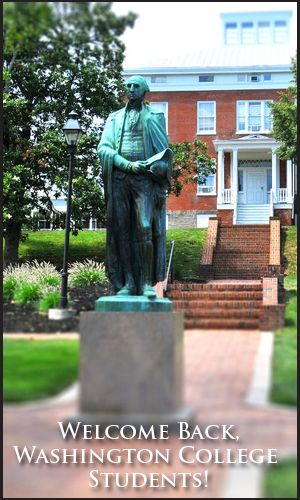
<point>256,188</point>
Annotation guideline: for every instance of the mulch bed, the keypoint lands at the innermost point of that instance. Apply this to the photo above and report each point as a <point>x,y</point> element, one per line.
<point>26,319</point>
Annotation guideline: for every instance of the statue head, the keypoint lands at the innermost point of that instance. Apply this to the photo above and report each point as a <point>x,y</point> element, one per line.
<point>136,88</point>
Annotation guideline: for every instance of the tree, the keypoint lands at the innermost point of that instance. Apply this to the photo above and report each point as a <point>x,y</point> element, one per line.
<point>284,113</point>
<point>191,163</point>
<point>57,57</point>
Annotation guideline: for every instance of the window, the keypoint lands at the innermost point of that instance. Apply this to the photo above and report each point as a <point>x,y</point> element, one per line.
<point>280,32</point>
<point>209,186</point>
<point>44,224</point>
<point>241,180</point>
<point>231,34</point>
<point>206,117</point>
<point>206,78</point>
<point>203,220</point>
<point>161,107</point>
<point>247,33</point>
<point>253,78</point>
<point>264,32</point>
<point>241,77</point>
<point>253,116</point>
<point>267,77</point>
<point>158,79</point>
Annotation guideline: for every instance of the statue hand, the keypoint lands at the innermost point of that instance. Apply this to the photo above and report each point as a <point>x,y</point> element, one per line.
<point>136,167</point>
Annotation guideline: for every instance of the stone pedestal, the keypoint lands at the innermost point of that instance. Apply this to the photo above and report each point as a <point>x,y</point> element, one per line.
<point>131,367</point>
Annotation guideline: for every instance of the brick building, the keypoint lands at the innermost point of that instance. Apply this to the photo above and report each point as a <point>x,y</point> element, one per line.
<point>221,96</point>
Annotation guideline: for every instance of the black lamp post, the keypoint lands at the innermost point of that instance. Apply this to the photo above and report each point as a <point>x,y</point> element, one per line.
<point>72,131</point>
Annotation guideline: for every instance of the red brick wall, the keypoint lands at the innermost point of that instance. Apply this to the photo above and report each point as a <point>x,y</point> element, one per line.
<point>182,124</point>
<point>225,217</point>
<point>182,111</point>
<point>285,216</point>
<point>189,200</point>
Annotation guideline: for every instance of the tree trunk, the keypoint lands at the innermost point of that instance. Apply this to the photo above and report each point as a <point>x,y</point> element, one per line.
<point>12,240</point>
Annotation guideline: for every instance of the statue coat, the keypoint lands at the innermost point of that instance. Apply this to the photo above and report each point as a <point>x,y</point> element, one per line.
<point>155,141</point>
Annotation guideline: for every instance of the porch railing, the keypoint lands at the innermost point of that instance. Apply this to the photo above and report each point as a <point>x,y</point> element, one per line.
<point>227,196</point>
<point>283,195</point>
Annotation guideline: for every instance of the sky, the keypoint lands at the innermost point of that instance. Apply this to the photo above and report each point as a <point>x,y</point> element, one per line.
<point>166,28</point>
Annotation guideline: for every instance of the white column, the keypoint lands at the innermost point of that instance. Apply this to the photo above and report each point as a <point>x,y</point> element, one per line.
<point>220,174</point>
<point>274,175</point>
<point>289,181</point>
<point>234,180</point>
<point>91,224</point>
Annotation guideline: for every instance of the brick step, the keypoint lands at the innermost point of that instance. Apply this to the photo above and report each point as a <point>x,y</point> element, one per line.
<point>240,261</point>
<point>222,323</point>
<point>216,286</point>
<point>215,295</point>
<point>220,313</point>
<point>245,247</point>
<point>246,274</point>
<point>246,227</point>
<point>213,304</point>
<point>233,255</point>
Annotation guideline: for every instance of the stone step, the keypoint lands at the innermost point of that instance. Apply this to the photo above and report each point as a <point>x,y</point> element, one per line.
<point>222,323</point>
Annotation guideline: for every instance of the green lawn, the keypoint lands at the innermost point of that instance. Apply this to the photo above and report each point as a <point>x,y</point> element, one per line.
<point>280,480</point>
<point>284,365</point>
<point>35,369</point>
<point>48,245</point>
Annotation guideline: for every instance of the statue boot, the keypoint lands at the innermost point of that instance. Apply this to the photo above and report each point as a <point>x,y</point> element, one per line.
<point>148,290</point>
<point>129,288</point>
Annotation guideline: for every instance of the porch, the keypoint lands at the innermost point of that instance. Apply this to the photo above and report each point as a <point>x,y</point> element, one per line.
<point>253,183</point>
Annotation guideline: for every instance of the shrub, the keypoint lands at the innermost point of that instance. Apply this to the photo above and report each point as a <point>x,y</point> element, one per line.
<point>27,293</point>
<point>33,272</point>
<point>9,286</point>
<point>87,273</point>
<point>49,300</point>
<point>51,281</point>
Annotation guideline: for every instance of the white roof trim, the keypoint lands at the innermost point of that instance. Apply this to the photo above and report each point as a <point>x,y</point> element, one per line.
<point>246,142</point>
<point>206,70</point>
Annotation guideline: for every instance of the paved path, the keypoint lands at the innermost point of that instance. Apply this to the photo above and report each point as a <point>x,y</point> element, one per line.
<point>219,368</point>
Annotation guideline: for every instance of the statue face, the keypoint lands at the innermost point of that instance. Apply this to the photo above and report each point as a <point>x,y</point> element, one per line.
<point>135,91</point>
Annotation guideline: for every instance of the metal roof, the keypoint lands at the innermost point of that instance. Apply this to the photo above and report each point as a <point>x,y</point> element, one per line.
<point>220,59</point>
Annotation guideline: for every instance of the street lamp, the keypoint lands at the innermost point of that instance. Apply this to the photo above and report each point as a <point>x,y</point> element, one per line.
<point>73,132</point>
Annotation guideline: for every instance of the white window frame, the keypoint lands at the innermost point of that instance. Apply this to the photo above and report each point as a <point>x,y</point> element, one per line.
<point>262,128</point>
<point>207,132</point>
<point>166,113</point>
<point>200,188</point>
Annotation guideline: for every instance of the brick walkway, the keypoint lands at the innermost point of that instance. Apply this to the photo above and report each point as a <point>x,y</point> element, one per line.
<point>218,372</point>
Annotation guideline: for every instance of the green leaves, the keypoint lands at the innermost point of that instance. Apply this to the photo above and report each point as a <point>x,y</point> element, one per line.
<point>191,163</point>
<point>284,112</point>
<point>57,57</point>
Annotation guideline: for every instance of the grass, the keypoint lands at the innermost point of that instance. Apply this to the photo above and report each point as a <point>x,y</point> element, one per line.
<point>48,246</point>
<point>284,364</point>
<point>35,369</point>
<point>280,480</point>
<point>187,252</point>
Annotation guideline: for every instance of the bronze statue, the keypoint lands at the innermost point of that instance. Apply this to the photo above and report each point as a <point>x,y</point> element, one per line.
<point>136,168</point>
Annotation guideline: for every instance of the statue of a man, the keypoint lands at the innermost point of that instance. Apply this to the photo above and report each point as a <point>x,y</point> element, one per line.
<point>136,167</point>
